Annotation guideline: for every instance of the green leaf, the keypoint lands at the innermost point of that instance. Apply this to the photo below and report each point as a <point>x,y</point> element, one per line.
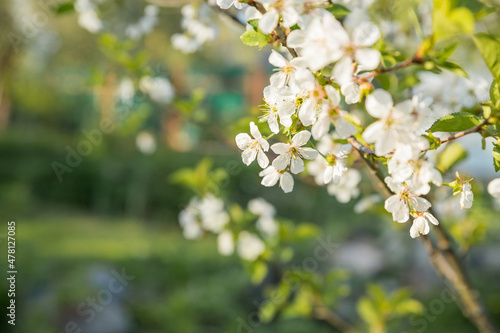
<point>434,142</point>
<point>367,311</point>
<point>495,94</point>
<point>338,11</point>
<point>453,67</point>
<point>254,38</point>
<point>64,8</point>
<point>408,306</point>
<point>448,20</point>
<point>490,49</point>
<point>496,157</point>
<point>254,23</point>
<point>455,122</point>
<point>451,155</point>
<point>259,272</point>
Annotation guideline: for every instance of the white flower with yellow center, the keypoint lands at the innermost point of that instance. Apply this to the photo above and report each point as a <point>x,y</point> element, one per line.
<point>293,153</point>
<point>253,148</point>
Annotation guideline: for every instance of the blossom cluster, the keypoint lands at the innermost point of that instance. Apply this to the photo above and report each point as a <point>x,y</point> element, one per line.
<point>317,95</point>
<point>207,214</point>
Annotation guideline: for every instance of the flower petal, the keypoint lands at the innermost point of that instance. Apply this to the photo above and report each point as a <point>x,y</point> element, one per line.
<point>366,34</point>
<point>308,153</point>
<point>379,103</point>
<point>367,59</point>
<point>243,140</point>
<point>296,165</point>
<point>301,138</point>
<point>286,182</point>
<point>254,130</point>
<point>281,162</point>
<point>248,155</point>
<point>277,59</point>
<point>269,21</point>
<point>280,148</point>
<point>262,159</point>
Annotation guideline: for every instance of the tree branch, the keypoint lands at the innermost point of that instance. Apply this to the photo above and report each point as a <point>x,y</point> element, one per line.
<point>324,313</point>
<point>448,266</point>
<point>475,129</point>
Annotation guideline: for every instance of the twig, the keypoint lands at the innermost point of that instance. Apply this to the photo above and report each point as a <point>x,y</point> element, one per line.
<point>448,266</point>
<point>406,63</point>
<point>474,129</point>
<point>323,313</point>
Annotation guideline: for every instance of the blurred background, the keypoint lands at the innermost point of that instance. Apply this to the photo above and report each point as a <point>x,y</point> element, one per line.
<point>88,174</point>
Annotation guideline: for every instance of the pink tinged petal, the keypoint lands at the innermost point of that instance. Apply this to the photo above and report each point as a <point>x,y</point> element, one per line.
<point>254,130</point>
<point>296,38</point>
<point>248,155</point>
<point>344,128</point>
<point>296,165</point>
<point>277,59</point>
<point>262,159</point>
<point>301,138</point>
<point>379,103</point>
<point>343,71</point>
<point>263,143</point>
<point>414,233</point>
<point>431,218</point>
<point>269,21</point>
<point>271,179</point>
<point>307,112</point>
<point>386,142</point>
<point>280,148</point>
<point>308,153</point>
<point>351,92</point>
<point>421,204</point>
<point>243,140</point>
<point>367,59</point>
<point>366,34</point>
<point>286,182</point>
<point>281,162</point>
<point>333,95</point>
<point>273,124</point>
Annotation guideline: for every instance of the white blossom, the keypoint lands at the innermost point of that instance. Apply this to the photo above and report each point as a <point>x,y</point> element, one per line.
<point>347,188</point>
<point>293,153</point>
<point>277,9</point>
<point>271,176</point>
<point>253,148</point>
<point>159,89</point>
<point>279,106</point>
<point>404,201</point>
<point>392,126</point>
<point>494,188</point>
<point>250,246</point>
<point>292,73</point>
<point>466,196</point>
<point>225,243</point>
<point>420,224</point>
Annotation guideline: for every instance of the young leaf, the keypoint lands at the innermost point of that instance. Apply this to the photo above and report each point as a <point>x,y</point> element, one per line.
<point>490,49</point>
<point>448,21</point>
<point>495,94</point>
<point>451,155</point>
<point>496,157</point>
<point>254,38</point>
<point>455,122</point>
<point>338,11</point>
